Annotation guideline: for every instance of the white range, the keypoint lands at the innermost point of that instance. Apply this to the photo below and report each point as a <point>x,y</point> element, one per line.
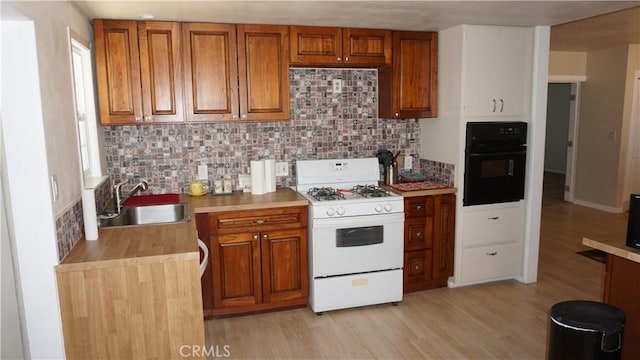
<point>356,234</point>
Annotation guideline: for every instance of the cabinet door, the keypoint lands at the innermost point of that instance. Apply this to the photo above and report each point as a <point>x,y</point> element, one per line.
<point>409,88</point>
<point>366,47</point>
<point>118,71</point>
<point>417,270</point>
<point>444,235</point>
<point>161,71</point>
<point>312,45</point>
<point>263,67</point>
<point>284,265</point>
<point>498,65</point>
<point>210,72</point>
<point>236,270</point>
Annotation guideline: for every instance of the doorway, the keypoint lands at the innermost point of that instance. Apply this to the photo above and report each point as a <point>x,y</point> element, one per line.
<point>560,142</point>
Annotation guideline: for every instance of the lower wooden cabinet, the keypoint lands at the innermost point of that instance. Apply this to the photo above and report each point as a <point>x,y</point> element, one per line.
<point>258,260</point>
<point>428,241</point>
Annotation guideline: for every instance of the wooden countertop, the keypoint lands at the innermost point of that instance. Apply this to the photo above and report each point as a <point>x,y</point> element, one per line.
<point>239,200</point>
<point>614,244</point>
<point>421,192</point>
<point>118,246</point>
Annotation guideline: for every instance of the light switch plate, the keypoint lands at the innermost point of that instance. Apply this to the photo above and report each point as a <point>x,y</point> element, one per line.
<point>408,162</point>
<point>203,172</point>
<point>282,168</point>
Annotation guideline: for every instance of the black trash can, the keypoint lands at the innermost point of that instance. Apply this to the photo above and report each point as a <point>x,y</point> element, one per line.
<point>585,330</point>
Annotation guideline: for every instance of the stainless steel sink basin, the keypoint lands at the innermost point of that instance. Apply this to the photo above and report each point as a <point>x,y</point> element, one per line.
<point>146,215</point>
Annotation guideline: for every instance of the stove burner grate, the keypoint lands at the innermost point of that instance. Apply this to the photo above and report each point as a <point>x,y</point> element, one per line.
<point>325,194</point>
<point>370,191</point>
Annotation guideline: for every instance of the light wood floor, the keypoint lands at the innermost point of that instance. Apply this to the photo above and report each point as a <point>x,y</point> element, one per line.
<point>501,320</point>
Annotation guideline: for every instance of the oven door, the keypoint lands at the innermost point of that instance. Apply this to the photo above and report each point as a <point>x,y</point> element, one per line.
<point>494,177</point>
<point>356,244</point>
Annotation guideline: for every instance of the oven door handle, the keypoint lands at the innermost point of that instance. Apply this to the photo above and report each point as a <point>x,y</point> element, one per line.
<point>501,153</point>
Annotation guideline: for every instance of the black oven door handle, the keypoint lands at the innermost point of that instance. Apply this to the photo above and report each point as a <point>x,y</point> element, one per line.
<point>501,153</point>
<point>510,167</point>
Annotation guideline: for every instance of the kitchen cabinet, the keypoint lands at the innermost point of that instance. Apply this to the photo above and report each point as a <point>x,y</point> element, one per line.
<point>236,72</point>
<point>258,260</point>
<point>497,71</point>
<point>492,242</point>
<point>409,88</point>
<point>333,46</point>
<point>138,71</point>
<point>429,241</point>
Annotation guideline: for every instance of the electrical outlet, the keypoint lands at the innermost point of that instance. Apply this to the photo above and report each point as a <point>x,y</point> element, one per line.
<point>408,162</point>
<point>282,168</point>
<point>337,86</point>
<point>203,172</point>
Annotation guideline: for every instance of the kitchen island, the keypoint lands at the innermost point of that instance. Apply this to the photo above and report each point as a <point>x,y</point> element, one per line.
<point>622,285</point>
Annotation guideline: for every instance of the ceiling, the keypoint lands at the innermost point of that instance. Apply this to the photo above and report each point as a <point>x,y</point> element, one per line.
<point>401,15</point>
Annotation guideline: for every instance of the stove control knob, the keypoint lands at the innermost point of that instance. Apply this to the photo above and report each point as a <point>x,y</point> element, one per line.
<point>340,211</point>
<point>378,208</point>
<point>388,207</point>
<point>331,212</point>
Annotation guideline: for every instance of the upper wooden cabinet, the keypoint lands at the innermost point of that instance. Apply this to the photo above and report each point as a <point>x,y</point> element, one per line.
<point>409,88</point>
<point>330,46</point>
<point>228,72</point>
<point>139,72</point>
<point>210,72</point>
<point>263,68</point>
<point>236,72</point>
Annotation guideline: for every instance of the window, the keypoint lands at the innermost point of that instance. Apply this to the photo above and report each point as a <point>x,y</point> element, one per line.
<point>85,111</point>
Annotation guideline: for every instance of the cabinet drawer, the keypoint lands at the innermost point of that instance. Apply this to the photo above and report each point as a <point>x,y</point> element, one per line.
<point>418,233</point>
<point>259,220</point>
<point>492,226</point>
<point>418,206</point>
<point>491,262</point>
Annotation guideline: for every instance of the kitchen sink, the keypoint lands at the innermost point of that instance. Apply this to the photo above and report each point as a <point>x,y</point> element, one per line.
<point>147,215</point>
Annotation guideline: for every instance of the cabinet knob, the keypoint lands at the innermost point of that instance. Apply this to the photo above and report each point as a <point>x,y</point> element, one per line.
<point>494,105</point>
<point>419,235</point>
<point>138,118</point>
<point>255,236</point>
<point>259,221</point>
<point>346,59</point>
<point>397,114</point>
<point>147,118</point>
<point>339,59</point>
<point>265,236</point>
<point>494,253</point>
<point>501,105</point>
<point>493,218</point>
<point>244,116</point>
<point>418,207</point>
<point>234,116</point>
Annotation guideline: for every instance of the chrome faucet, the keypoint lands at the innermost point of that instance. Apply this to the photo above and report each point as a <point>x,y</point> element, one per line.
<point>117,190</point>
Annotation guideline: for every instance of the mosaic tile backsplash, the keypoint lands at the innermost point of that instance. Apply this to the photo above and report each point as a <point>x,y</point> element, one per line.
<point>323,125</point>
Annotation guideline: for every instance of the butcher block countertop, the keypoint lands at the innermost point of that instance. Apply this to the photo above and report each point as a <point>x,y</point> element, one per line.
<point>614,244</point>
<point>423,188</point>
<point>129,245</point>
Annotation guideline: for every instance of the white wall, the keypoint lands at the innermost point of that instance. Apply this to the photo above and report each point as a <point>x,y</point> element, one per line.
<point>51,20</point>
<point>39,134</point>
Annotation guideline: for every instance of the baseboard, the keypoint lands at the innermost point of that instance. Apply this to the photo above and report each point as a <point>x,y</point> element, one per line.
<point>610,209</point>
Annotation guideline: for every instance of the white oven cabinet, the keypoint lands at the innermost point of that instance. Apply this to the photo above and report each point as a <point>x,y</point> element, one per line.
<point>492,240</point>
<point>258,260</point>
<point>497,71</point>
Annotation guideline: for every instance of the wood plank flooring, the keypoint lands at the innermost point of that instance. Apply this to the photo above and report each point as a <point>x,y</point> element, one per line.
<point>501,320</point>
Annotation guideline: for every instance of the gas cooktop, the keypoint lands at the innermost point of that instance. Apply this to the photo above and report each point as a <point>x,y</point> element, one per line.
<point>356,192</point>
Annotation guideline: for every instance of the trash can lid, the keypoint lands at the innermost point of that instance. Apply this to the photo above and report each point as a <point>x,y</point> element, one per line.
<point>589,315</point>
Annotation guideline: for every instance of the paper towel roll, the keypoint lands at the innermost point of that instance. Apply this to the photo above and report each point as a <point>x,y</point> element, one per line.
<point>270,175</point>
<point>257,177</point>
<point>89,214</point>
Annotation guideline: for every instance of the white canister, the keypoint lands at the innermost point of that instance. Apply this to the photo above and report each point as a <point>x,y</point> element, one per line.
<point>217,186</point>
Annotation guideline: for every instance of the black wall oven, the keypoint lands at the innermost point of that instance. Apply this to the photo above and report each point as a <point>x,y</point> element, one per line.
<point>495,161</point>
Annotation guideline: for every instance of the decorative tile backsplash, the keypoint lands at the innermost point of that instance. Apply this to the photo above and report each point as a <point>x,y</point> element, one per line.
<point>70,224</point>
<point>323,125</point>
<point>438,172</point>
